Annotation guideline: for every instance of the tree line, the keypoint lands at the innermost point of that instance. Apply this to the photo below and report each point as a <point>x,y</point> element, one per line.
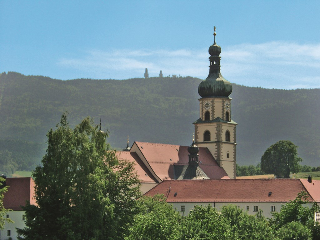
<point>252,170</point>
<point>158,220</point>
<point>280,159</point>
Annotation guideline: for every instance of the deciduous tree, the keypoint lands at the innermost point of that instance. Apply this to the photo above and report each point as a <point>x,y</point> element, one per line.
<point>296,220</point>
<point>82,190</point>
<point>156,220</point>
<point>280,159</point>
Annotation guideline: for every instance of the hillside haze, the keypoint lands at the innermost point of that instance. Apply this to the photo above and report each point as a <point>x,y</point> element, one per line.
<point>153,110</point>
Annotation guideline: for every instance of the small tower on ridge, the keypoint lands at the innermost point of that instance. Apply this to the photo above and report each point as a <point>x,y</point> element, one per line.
<point>146,74</point>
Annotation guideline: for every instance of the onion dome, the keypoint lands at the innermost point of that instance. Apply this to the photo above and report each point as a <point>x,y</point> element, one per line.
<point>215,84</point>
<point>214,49</point>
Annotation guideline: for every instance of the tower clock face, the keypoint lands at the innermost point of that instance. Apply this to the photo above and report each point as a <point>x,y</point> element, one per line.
<point>207,105</point>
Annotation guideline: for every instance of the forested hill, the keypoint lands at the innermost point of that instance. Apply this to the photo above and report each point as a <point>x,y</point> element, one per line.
<point>154,110</point>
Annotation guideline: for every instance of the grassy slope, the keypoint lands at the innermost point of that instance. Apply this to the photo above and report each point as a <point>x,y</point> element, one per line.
<point>305,175</point>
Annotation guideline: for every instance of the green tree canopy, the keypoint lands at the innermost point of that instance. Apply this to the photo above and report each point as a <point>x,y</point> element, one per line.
<point>156,220</point>
<point>82,190</point>
<point>296,220</point>
<point>280,159</point>
<point>7,164</point>
<point>204,222</point>
<point>3,211</point>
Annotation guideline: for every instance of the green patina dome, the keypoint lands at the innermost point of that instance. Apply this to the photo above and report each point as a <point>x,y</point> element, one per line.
<point>214,49</point>
<point>215,86</point>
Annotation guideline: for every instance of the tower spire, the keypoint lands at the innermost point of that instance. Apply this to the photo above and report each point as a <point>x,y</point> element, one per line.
<point>214,34</point>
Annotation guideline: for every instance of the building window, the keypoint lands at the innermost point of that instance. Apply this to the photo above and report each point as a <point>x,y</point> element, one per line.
<point>183,208</point>
<point>8,233</point>
<point>23,217</point>
<point>227,155</point>
<point>227,136</point>
<point>255,208</point>
<point>207,116</point>
<point>206,136</point>
<point>7,215</point>
<point>227,116</point>
<point>248,208</point>
<point>273,208</point>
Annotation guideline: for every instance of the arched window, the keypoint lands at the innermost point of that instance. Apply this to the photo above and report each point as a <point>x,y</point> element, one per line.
<point>207,116</point>
<point>227,136</point>
<point>206,136</point>
<point>228,116</point>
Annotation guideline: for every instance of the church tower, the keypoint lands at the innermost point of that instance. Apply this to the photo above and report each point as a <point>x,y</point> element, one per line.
<point>215,129</point>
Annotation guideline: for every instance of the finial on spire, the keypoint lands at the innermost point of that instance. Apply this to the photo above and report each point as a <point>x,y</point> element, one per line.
<point>214,34</point>
<point>128,147</point>
<point>100,125</point>
<point>193,137</point>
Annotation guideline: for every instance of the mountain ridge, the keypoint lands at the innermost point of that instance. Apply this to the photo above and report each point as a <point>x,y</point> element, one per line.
<point>153,110</point>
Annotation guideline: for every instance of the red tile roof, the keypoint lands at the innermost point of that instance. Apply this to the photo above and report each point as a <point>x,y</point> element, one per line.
<point>230,190</point>
<point>143,173</point>
<point>20,190</point>
<point>162,157</point>
<point>313,188</point>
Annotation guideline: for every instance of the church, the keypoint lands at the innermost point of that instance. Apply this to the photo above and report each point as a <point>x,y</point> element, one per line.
<point>212,154</point>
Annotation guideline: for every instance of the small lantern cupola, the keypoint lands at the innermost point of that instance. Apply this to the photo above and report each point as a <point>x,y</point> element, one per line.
<point>193,153</point>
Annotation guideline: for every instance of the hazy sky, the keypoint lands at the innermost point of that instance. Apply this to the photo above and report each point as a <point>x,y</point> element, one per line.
<point>272,44</point>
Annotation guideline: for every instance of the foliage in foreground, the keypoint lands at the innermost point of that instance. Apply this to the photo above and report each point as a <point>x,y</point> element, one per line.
<point>295,220</point>
<point>158,220</point>
<point>3,211</point>
<point>82,190</point>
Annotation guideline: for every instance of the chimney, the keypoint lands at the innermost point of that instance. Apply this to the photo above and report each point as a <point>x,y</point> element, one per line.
<point>310,179</point>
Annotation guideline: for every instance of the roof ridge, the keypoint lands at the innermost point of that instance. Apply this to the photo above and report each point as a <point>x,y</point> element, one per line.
<point>147,162</point>
<point>158,143</point>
